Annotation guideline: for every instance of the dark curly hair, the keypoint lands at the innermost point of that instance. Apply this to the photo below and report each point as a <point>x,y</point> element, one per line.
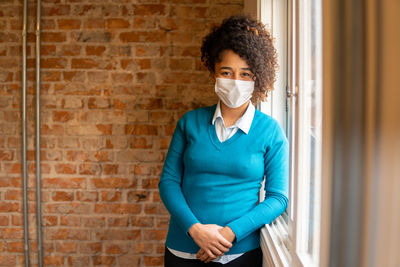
<point>252,42</point>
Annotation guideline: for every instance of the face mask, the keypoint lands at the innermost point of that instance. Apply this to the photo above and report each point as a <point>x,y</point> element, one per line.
<point>234,93</point>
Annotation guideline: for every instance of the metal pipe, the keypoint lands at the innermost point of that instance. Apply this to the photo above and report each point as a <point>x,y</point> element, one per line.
<point>24,167</point>
<point>38,175</point>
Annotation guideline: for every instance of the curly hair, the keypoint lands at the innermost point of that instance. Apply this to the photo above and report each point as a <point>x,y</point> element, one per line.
<point>252,42</point>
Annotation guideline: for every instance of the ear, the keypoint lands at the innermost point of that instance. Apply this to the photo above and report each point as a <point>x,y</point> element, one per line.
<point>213,77</point>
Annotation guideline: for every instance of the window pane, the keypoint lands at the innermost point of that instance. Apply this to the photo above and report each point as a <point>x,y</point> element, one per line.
<point>310,81</point>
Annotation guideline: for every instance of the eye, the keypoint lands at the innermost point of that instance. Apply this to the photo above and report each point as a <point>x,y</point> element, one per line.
<point>247,75</point>
<point>225,73</point>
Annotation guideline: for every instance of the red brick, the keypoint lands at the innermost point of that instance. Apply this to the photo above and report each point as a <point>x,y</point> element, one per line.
<point>141,142</point>
<point>11,233</point>
<point>117,104</point>
<point>153,260</point>
<point>62,116</point>
<point>51,76</point>
<point>69,24</point>
<point>95,50</point>
<point>13,195</point>
<point>87,196</point>
<point>110,169</point>
<point>15,247</point>
<point>6,155</point>
<point>154,234</point>
<point>142,221</point>
<point>149,10</point>
<point>70,220</point>
<point>4,221</point>
<point>62,196</point>
<point>53,63</point>
<point>117,221</point>
<point>129,260</point>
<point>117,24</point>
<point>90,247</point>
<point>64,183</point>
<point>78,260</point>
<point>70,50</point>
<point>64,168</point>
<point>68,208</point>
<point>80,63</point>
<point>115,249</point>
<point>94,222</point>
<point>113,234</point>
<point>9,206</point>
<point>8,260</point>
<point>147,37</point>
<point>110,196</point>
<point>66,247</point>
<point>138,196</point>
<point>113,183</point>
<point>103,260</point>
<point>104,129</point>
<point>98,103</point>
<point>67,234</point>
<point>89,169</point>
<point>91,23</point>
<point>113,208</point>
<point>121,78</point>
<point>150,183</point>
<point>56,10</point>
<point>49,220</point>
<point>53,37</point>
<point>53,260</point>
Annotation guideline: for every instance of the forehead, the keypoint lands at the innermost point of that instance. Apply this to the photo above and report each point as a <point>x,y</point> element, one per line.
<point>230,59</point>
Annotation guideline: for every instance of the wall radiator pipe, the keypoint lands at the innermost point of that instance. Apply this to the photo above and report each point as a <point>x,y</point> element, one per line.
<point>24,128</point>
<point>38,175</point>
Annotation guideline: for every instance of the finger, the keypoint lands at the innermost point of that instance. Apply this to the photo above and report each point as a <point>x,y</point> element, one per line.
<point>204,257</point>
<point>221,248</point>
<point>216,251</point>
<point>200,253</point>
<point>207,259</point>
<point>224,242</point>
<point>208,253</point>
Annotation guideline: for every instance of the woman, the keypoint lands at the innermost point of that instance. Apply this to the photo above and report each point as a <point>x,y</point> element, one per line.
<point>219,156</point>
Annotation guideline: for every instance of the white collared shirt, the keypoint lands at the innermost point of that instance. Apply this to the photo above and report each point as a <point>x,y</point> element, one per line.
<point>223,133</point>
<point>243,123</point>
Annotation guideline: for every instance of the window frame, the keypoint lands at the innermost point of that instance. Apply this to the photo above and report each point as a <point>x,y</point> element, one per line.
<point>280,240</point>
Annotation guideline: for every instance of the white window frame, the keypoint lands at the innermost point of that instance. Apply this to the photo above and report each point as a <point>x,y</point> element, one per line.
<point>280,240</point>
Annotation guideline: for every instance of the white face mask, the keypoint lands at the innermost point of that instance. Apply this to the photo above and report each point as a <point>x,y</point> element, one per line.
<point>234,93</point>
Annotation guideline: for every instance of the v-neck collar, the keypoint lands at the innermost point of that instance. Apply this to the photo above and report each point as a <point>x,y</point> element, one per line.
<point>213,134</point>
<point>214,138</point>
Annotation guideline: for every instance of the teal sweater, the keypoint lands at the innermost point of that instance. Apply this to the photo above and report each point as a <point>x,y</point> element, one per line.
<point>209,182</point>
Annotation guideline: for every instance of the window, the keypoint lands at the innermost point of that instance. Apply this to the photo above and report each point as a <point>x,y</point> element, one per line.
<point>307,147</point>
<point>296,102</point>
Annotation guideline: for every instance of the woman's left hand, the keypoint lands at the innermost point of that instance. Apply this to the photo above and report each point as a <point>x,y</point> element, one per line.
<point>227,233</point>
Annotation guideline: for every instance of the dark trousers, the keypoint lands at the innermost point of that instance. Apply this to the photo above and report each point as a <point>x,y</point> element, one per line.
<point>252,258</point>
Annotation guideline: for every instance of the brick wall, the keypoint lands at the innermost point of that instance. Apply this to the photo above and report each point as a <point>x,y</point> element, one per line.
<point>117,75</point>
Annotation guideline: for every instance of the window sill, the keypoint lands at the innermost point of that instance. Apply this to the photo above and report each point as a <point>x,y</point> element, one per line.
<point>274,244</point>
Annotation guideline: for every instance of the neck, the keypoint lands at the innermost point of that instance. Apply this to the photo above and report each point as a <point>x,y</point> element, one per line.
<point>231,115</point>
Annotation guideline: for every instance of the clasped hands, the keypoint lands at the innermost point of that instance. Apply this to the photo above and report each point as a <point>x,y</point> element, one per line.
<point>213,240</point>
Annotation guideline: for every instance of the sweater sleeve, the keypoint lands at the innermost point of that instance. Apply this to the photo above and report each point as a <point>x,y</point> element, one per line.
<point>276,162</point>
<point>171,179</point>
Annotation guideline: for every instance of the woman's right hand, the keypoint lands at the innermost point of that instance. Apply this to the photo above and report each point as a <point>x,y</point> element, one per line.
<point>208,237</point>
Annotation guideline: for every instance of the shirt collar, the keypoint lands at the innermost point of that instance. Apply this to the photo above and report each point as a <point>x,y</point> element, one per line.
<point>244,122</point>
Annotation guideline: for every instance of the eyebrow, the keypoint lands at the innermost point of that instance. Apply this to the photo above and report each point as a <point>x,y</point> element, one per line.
<point>229,68</point>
